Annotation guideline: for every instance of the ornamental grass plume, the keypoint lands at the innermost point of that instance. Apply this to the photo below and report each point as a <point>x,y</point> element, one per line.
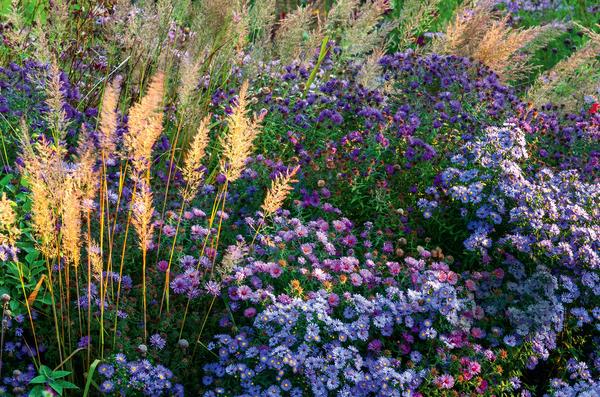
<point>188,81</point>
<point>108,118</point>
<point>571,78</point>
<point>481,33</point>
<point>95,258</point>
<point>500,46</point>
<point>369,74</point>
<point>290,38</point>
<point>16,35</point>
<point>81,187</point>
<point>261,16</point>
<point>340,15</point>
<point>142,209</point>
<point>365,32</point>
<point>280,189</point>
<point>237,144</point>
<point>42,169</point>
<point>71,221</point>
<point>416,16</point>
<point>232,257</point>
<point>88,175</point>
<point>9,229</point>
<point>145,126</point>
<point>191,171</point>
<point>56,117</point>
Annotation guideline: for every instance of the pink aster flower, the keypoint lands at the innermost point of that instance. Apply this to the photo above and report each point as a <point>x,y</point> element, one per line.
<point>475,367</point>
<point>445,381</point>
<point>394,268</point>
<point>250,312</point>
<point>470,284</point>
<point>244,292</point>
<point>306,248</point>
<point>275,271</point>
<point>356,279</point>
<point>452,278</point>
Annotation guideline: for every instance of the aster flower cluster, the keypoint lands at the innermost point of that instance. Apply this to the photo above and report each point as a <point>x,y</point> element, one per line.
<point>349,324</point>
<point>540,227</point>
<point>120,376</point>
<point>515,6</point>
<point>373,140</point>
<point>17,382</point>
<point>580,382</point>
<point>550,214</point>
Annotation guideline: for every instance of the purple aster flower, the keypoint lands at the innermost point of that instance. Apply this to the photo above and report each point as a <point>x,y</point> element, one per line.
<point>157,341</point>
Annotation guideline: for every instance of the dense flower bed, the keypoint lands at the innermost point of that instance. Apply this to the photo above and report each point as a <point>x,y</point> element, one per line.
<point>399,225</point>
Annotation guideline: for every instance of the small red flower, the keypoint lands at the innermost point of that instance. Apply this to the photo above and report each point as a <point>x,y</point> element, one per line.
<point>594,108</point>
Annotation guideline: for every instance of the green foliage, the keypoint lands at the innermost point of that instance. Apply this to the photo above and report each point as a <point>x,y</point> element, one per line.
<point>48,378</point>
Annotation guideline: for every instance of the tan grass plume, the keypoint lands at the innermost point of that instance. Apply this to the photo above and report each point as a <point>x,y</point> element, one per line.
<point>142,210</point>
<point>280,189</point>
<point>237,144</point>
<point>44,172</point>
<point>108,117</point>
<point>9,228</point>
<point>192,173</point>
<point>71,222</point>
<point>145,125</point>
<point>572,78</point>
<point>56,117</point>
<point>482,33</point>
<point>364,33</point>
<point>95,257</point>
<point>290,37</point>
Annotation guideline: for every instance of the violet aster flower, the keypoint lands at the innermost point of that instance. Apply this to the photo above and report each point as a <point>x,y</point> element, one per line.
<point>158,341</point>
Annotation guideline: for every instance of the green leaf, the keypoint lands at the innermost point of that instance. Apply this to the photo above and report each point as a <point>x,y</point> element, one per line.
<point>66,385</point>
<point>60,374</point>
<point>32,256</point>
<point>6,180</point>
<point>37,391</point>
<point>45,299</point>
<point>38,379</point>
<point>90,375</point>
<point>57,387</point>
<point>46,371</point>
